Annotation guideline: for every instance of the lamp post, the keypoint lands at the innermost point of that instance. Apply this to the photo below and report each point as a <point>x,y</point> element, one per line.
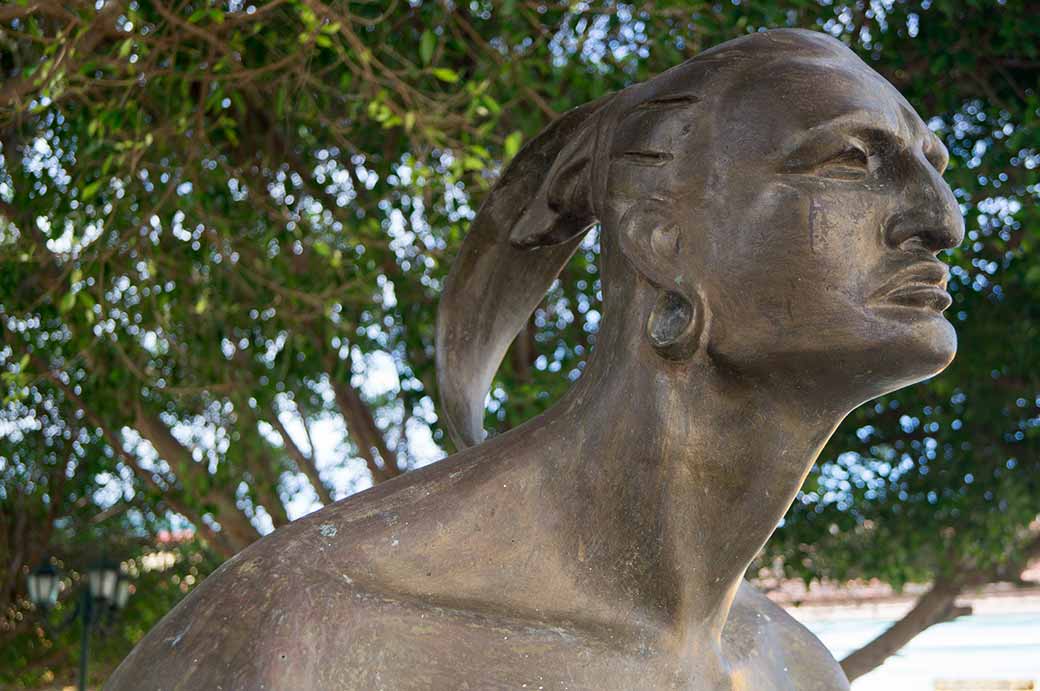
<point>107,592</point>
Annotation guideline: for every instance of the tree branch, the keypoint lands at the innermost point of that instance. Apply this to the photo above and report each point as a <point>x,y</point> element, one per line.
<point>361,426</point>
<point>220,543</point>
<point>936,606</point>
<point>303,461</point>
<point>263,467</point>
<point>15,90</point>
<point>226,511</point>
<point>930,609</point>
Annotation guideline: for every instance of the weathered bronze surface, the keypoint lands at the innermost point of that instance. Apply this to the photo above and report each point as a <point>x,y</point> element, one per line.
<point>771,212</point>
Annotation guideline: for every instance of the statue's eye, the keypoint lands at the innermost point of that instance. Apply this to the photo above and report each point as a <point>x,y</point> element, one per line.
<point>850,164</point>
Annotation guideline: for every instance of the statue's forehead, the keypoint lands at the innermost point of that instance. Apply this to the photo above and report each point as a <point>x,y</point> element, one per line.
<point>672,134</point>
<point>758,107</point>
<point>769,106</point>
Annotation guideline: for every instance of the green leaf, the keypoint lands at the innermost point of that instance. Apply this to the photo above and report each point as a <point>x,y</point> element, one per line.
<point>86,299</point>
<point>512,144</point>
<point>279,101</point>
<point>492,104</point>
<point>90,191</point>
<point>308,16</point>
<point>426,45</point>
<point>67,301</point>
<point>445,75</point>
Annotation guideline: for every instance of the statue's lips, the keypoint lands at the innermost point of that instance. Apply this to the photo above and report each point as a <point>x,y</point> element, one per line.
<point>922,284</point>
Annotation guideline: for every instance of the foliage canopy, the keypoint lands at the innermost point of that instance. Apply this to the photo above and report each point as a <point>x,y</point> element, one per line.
<point>224,227</point>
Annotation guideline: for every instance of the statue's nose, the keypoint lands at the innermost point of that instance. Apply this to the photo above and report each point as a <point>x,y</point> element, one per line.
<point>931,216</point>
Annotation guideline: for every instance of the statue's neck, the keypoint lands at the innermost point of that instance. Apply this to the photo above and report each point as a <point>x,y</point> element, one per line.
<point>678,479</point>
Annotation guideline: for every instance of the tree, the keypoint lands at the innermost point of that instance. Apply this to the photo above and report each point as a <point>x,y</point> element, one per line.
<point>221,221</point>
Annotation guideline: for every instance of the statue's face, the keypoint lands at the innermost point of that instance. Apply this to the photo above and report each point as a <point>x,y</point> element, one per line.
<point>827,209</point>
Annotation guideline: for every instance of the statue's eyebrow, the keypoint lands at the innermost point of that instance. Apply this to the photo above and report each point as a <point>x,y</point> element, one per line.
<point>863,124</point>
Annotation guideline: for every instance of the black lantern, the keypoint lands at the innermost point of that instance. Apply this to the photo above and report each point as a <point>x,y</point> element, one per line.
<point>44,585</point>
<point>103,579</point>
<point>107,590</point>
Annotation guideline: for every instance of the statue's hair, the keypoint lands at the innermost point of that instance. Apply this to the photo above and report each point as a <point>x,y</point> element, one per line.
<point>497,279</point>
<point>549,196</point>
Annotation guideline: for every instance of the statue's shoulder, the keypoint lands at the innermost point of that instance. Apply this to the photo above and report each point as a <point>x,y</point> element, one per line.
<point>336,574</point>
<point>759,628</point>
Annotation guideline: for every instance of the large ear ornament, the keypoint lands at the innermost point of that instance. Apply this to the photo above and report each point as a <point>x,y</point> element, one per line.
<point>675,325</point>
<point>525,232</point>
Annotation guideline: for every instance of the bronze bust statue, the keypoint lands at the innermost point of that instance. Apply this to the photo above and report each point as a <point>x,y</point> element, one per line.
<point>771,212</point>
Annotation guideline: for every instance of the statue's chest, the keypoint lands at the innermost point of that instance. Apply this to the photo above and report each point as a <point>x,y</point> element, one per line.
<point>436,649</point>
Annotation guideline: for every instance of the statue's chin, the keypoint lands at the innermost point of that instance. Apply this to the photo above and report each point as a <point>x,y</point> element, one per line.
<point>944,346</point>
<point>920,346</point>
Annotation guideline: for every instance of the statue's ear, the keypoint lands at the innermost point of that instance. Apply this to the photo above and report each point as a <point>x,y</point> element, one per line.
<point>561,209</point>
<point>650,240</point>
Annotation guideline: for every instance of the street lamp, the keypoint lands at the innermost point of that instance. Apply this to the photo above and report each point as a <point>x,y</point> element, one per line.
<point>107,592</point>
<point>101,579</point>
<point>44,584</point>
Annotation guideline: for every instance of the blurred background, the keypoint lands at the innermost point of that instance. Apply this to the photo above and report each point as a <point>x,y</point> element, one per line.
<point>224,227</point>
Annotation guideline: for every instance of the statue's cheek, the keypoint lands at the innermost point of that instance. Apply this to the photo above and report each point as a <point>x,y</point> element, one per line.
<point>781,217</point>
<point>826,238</point>
<point>828,219</point>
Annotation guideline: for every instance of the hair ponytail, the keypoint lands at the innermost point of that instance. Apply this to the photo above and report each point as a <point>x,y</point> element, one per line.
<point>524,233</point>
